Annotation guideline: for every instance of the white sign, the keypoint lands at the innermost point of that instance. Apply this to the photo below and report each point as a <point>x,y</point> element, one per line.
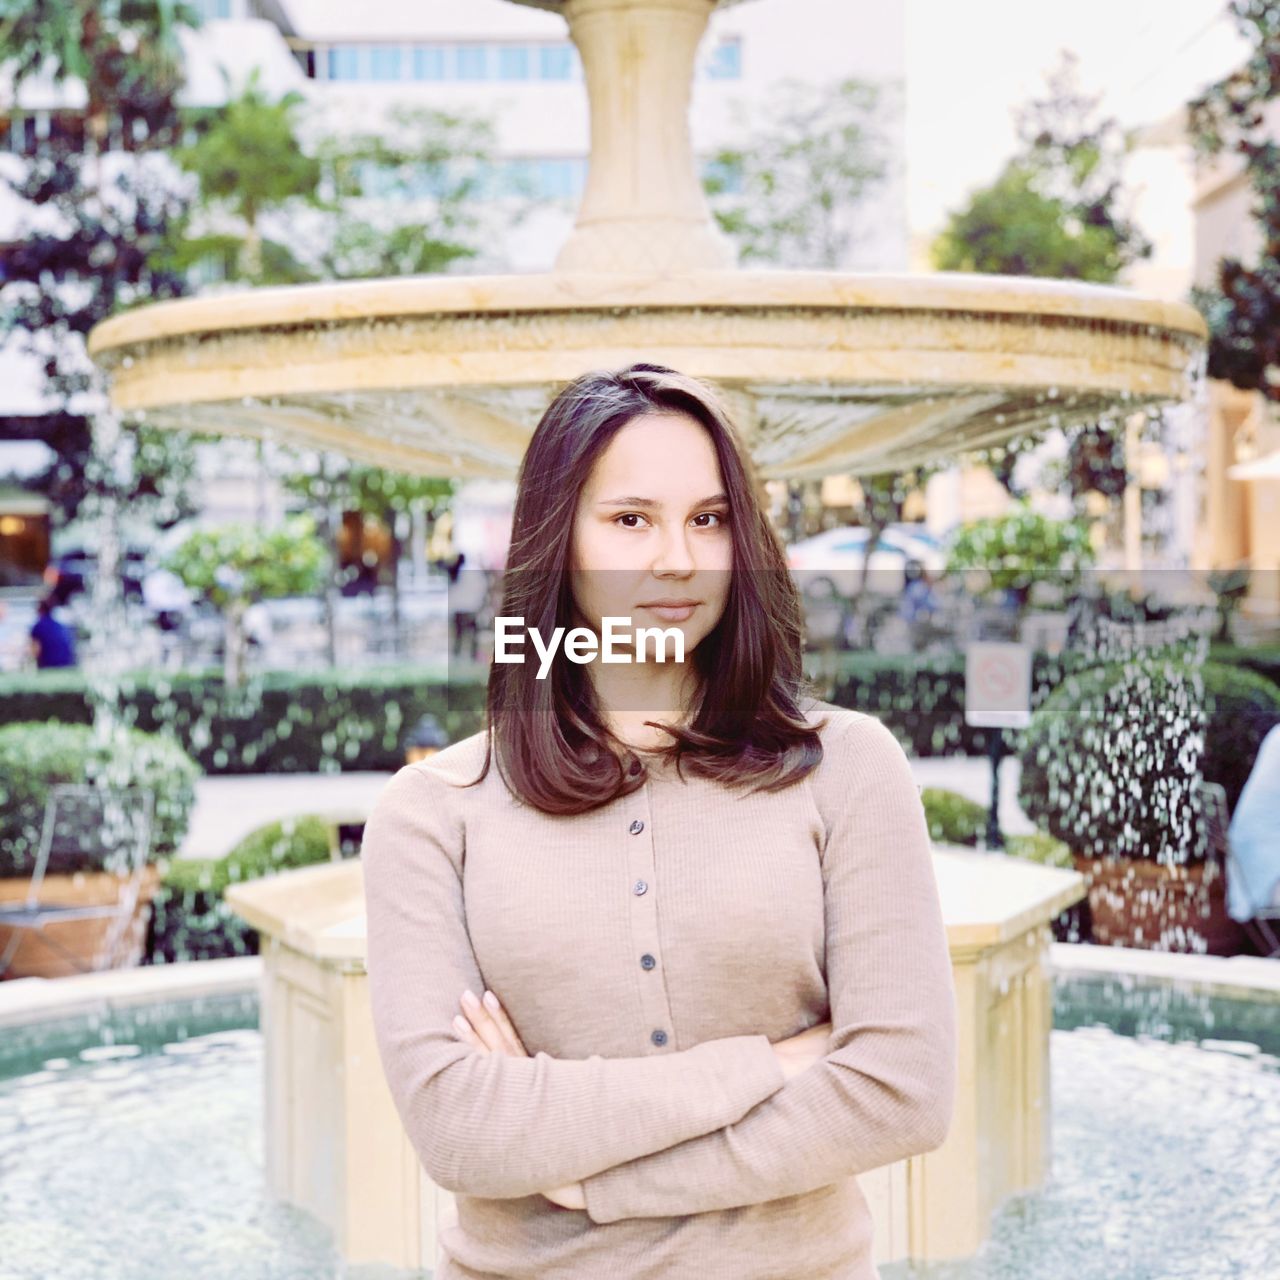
<point>997,685</point>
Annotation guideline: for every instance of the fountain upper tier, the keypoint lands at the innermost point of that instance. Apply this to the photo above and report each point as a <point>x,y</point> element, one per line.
<point>826,372</point>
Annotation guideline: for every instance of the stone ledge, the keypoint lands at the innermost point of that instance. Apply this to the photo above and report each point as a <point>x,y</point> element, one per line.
<point>24,1000</point>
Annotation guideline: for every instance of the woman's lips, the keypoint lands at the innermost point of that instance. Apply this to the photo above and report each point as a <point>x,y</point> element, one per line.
<point>671,613</point>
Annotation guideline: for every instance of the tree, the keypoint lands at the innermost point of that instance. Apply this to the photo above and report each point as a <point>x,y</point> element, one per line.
<point>405,200</point>
<point>95,206</point>
<point>1057,207</point>
<point>235,565</point>
<point>1243,309</point>
<point>372,491</point>
<point>248,162</point>
<point>790,195</point>
<point>1056,210</point>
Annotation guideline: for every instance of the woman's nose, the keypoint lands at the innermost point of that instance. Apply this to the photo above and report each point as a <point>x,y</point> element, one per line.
<point>675,555</point>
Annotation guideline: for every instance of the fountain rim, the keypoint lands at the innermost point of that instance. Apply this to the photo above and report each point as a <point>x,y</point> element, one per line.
<point>353,301</point>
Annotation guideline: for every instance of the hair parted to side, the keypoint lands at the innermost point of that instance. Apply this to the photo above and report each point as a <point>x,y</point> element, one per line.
<point>552,746</point>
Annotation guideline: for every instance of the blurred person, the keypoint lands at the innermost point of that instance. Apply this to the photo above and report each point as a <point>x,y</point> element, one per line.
<point>918,600</point>
<point>1254,835</point>
<point>53,642</point>
<point>468,594</point>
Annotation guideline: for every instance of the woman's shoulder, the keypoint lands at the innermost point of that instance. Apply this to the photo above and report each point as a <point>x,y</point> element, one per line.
<point>457,764</point>
<point>844,728</point>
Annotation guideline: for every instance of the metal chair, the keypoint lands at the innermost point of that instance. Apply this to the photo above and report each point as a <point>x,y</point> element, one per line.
<point>112,823</point>
<point>1262,929</point>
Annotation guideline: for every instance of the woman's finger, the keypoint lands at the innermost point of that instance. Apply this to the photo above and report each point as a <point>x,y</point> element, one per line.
<point>499,1015</point>
<point>485,1027</point>
<point>467,1032</point>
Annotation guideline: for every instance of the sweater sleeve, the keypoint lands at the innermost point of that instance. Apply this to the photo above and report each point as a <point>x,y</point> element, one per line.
<point>493,1125</point>
<point>886,1087</point>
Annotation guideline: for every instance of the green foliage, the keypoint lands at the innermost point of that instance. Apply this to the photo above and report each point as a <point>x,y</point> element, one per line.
<point>190,919</point>
<point>270,563</point>
<point>1022,547</point>
<point>1039,847</point>
<point>86,239</point>
<point>405,198</point>
<point>1111,759</point>
<point>36,754</point>
<point>1054,210</point>
<point>1236,115</point>
<point>1012,228</point>
<point>953,818</point>
<point>369,489</point>
<point>278,722</point>
<point>248,160</point>
<point>789,195</point>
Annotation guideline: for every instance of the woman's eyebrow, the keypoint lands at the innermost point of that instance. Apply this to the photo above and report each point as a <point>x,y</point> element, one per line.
<point>653,502</point>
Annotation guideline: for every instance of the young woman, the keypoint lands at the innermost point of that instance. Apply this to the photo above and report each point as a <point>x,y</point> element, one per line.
<point>697,905</point>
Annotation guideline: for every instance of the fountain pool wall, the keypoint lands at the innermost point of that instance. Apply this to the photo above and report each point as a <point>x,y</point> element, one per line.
<point>131,1123</point>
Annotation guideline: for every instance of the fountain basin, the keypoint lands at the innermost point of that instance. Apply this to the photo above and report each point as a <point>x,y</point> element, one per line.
<point>328,1107</point>
<point>1154,1056</point>
<point>825,372</point>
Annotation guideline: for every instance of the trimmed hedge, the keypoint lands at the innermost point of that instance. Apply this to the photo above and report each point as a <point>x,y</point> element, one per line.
<point>190,920</point>
<point>36,755</point>
<point>953,818</point>
<point>279,722</point>
<point>334,721</point>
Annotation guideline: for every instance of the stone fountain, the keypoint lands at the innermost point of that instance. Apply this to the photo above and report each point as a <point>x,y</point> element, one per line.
<point>826,373</point>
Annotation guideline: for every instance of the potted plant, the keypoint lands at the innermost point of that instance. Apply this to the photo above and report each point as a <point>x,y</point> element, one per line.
<point>35,755</point>
<point>1111,766</point>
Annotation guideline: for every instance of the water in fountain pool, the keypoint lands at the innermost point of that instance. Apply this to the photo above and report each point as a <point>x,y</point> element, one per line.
<point>140,1143</point>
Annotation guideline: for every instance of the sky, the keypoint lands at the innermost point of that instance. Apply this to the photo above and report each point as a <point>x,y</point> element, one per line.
<point>968,64</point>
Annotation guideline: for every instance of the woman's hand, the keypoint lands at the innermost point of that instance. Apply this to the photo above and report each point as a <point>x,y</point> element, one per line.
<point>487,1028</point>
<point>800,1052</point>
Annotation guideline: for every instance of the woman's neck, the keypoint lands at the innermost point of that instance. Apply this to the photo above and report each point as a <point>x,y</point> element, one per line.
<point>631,693</point>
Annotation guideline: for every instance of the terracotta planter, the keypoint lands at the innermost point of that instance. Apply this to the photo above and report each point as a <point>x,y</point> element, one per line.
<point>1137,903</point>
<point>35,958</point>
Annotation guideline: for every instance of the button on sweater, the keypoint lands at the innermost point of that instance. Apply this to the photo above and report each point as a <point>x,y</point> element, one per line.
<point>654,1084</point>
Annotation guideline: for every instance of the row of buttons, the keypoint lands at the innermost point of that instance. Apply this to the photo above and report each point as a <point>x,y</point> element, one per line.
<point>659,1037</point>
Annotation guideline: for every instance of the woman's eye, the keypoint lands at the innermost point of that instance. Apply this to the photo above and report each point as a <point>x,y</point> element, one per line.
<point>629,515</point>
<point>714,515</point>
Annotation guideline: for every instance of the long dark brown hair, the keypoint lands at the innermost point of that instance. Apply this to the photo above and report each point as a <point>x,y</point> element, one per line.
<point>553,748</point>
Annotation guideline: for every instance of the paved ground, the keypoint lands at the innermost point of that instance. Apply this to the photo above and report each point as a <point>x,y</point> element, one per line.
<point>230,807</point>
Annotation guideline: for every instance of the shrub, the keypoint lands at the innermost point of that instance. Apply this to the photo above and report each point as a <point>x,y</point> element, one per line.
<point>1039,847</point>
<point>277,722</point>
<point>191,921</point>
<point>36,755</point>
<point>1111,760</point>
<point>953,818</point>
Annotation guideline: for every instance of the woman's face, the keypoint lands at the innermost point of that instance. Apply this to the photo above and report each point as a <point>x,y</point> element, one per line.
<point>652,529</point>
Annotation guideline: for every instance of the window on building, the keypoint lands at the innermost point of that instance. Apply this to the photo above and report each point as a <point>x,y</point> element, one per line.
<point>210,10</point>
<point>428,62</point>
<point>344,62</point>
<point>725,62</point>
<point>384,62</point>
<point>555,62</point>
<point>513,62</point>
<point>471,61</point>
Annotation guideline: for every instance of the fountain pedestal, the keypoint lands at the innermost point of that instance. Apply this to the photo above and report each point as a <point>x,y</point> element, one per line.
<point>336,1148</point>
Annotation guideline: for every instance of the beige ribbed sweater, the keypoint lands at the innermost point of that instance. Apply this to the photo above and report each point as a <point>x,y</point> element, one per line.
<point>649,952</point>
